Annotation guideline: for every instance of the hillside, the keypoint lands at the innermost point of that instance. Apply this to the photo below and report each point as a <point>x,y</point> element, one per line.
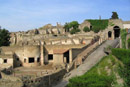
<point>104,74</point>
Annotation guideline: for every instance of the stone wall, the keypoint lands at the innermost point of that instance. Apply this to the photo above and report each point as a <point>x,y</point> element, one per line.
<point>6,65</point>
<point>22,54</point>
<point>10,81</point>
<point>45,81</point>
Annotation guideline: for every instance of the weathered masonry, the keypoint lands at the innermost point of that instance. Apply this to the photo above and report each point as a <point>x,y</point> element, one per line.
<point>32,56</point>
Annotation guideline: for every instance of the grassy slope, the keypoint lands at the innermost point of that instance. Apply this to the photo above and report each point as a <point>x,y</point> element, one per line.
<point>104,74</point>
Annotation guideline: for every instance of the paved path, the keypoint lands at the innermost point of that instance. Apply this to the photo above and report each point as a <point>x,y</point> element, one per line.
<point>90,61</point>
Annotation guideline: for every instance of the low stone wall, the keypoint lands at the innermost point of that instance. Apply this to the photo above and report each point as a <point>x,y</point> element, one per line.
<point>83,55</point>
<point>45,81</point>
<point>10,84</point>
<point>10,81</point>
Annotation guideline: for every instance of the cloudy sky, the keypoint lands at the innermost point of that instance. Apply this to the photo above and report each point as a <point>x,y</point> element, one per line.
<point>22,15</point>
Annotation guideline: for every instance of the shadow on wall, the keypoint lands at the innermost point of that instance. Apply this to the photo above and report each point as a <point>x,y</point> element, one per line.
<point>0,75</point>
<point>16,62</point>
<point>116,32</point>
<point>7,71</point>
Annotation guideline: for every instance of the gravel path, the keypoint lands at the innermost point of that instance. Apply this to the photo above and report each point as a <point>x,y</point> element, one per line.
<point>90,61</point>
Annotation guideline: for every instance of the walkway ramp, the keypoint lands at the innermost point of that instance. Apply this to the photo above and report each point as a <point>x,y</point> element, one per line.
<point>90,61</point>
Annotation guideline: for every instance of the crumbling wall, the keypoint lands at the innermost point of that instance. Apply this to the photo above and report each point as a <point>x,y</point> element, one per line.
<point>45,81</point>
<point>10,81</point>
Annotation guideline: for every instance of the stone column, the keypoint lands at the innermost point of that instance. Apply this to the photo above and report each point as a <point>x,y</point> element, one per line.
<point>70,56</point>
<point>42,55</point>
<point>113,35</point>
<point>99,42</point>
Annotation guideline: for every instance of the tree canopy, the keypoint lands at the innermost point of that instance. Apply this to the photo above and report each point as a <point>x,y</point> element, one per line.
<point>4,37</point>
<point>114,15</point>
<point>86,29</point>
<point>73,26</point>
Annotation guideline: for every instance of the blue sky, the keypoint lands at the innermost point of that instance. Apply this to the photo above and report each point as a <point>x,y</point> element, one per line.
<point>22,15</point>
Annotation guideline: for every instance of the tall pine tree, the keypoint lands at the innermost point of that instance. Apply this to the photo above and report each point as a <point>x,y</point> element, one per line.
<point>114,15</point>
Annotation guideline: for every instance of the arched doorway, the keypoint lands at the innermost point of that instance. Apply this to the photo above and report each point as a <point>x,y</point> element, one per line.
<point>91,27</point>
<point>116,32</point>
<point>109,34</point>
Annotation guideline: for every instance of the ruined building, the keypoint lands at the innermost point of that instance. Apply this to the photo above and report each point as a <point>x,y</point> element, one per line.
<point>51,52</point>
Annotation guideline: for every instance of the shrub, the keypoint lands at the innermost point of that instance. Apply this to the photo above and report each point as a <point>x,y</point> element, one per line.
<point>128,43</point>
<point>124,56</point>
<point>91,80</point>
<point>96,76</point>
<point>86,29</point>
<point>73,31</point>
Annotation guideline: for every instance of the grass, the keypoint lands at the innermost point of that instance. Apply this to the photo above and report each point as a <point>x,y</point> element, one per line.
<point>123,37</point>
<point>124,56</point>
<point>103,74</point>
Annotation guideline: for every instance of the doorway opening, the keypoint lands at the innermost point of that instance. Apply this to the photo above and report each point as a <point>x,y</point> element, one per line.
<point>50,57</point>
<point>109,34</point>
<point>116,32</point>
<point>66,55</point>
<point>31,60</point>
<point>91,27</point>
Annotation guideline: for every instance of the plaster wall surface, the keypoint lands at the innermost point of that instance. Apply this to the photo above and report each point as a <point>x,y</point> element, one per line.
<point>126,26</point>
<point>58,58</point>
<point>6,65</point>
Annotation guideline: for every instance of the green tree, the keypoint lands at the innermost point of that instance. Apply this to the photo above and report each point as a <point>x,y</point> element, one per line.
<point>4,37</point>
<point>74,24</point>
<point>114,15</point>
<point>67,27</point>
<point>86,29</point>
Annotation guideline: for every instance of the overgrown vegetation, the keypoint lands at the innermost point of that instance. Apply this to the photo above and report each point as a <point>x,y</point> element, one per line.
<point>104,74</point>
<point>4,37</point>
<point>73,31</point>
<point>98,25</point>
<point>111,24</point>
<point>72,27</point>
<point>124,56</point>
<point>123,37</point>
<point>86,29</point>
<point>128,41</point>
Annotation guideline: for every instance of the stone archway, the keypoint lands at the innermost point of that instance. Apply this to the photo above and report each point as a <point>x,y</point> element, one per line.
<point>109,35</point>
<point>116,32</point>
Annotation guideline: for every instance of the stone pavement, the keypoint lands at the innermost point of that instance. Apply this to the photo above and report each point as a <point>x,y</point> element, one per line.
<point>90,61</point>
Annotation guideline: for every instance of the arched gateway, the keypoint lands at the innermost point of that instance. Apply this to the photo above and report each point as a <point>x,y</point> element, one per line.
<point>116,32</point>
